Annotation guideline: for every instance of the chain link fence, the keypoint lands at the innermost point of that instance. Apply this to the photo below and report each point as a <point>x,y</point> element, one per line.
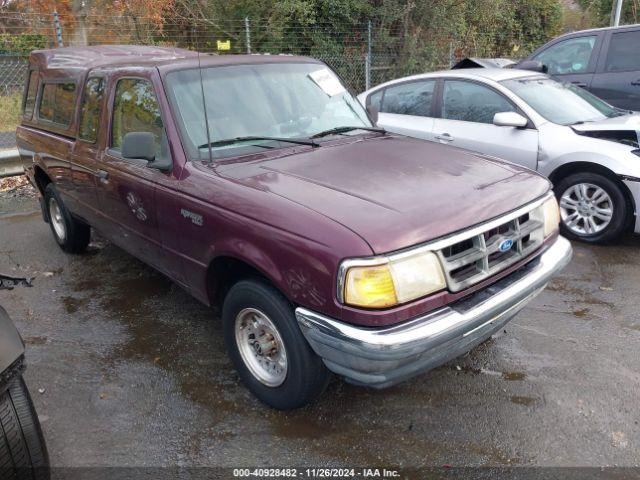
<point>360,54</point>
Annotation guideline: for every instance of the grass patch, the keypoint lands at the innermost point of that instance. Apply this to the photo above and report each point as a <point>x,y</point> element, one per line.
<point>10,107</point>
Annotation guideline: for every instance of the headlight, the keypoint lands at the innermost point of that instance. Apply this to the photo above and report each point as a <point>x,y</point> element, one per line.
<point>550,216</point>
<point>391,282</point>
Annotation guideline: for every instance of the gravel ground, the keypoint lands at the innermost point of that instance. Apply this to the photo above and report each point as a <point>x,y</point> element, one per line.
<point>134,373</point>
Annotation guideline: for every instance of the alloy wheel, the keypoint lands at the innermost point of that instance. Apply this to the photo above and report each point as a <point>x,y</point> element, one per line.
<point>586,209</point>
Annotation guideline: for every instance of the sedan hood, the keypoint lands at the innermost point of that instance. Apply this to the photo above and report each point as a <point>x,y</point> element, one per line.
<point>394,191</point>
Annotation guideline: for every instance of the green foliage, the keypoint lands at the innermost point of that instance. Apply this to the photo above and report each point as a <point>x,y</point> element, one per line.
<point>601,11</point>
<point>21,44</point>
<point>10,107</point>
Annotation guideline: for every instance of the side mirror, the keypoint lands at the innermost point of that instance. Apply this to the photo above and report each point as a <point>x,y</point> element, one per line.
<point>509,119</point>
<point>139,145</point>
<point>533,65</point>
<point>373,114</point>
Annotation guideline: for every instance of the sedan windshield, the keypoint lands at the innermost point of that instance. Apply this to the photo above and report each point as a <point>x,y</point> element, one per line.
<point>561,103</point>
<point>250,108</point>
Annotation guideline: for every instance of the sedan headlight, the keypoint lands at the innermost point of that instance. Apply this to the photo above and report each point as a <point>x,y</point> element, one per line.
<point>550,216</point>
<point>386,282</point>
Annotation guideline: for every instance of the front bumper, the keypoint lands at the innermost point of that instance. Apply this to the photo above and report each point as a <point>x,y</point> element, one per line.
<point>380,357</point>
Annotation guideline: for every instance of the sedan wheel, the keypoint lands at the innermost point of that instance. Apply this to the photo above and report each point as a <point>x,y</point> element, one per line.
<point>586,209</point>
<point>593,207</point>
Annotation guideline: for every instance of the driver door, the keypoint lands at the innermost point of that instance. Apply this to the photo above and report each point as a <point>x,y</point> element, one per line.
<point>126,187</point>
<point>466,121</point>
<point>572,60</point>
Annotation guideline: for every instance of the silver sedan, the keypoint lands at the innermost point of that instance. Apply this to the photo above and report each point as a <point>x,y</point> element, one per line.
<point>588,149</point>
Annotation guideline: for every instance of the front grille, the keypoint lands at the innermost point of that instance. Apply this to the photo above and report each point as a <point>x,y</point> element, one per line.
<point>478,257</point>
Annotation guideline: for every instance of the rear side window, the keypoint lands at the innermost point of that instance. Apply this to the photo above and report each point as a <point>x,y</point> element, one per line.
<point>90,109</point>
<point>413,98</point>
<point>624,54</point>
<point>56,103</point>
<point>568,56</point>
<point>32,90</point>
<point>135,109</point>
<point>470,102</point>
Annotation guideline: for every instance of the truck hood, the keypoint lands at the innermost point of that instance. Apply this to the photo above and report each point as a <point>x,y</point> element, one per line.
<point>394,191</point>
<point>624,129</point>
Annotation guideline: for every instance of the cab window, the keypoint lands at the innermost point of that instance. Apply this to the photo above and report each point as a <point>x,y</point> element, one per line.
<point>57,102</point>
<point>135,109</point>
<point>90,109</point>
<point>569,56</point>
<point>32,90</point>
<point>470,102</point>
<point>412,98</point>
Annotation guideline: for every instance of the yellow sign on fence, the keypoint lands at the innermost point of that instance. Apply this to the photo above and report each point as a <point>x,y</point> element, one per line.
<point>224,45</point>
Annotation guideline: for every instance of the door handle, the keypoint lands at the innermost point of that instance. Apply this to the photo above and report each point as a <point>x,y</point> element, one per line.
<point>445,137</point>
<point>636,83</point>
<point>579,84</point>
<point>102,176</point>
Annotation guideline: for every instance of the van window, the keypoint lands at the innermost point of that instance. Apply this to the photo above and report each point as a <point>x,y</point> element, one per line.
<point>135,109</point>
<point>90,109</point>
<point>624,55</point>
<point>56,103</point>
<point>568,56</point>
<point>32,90</point>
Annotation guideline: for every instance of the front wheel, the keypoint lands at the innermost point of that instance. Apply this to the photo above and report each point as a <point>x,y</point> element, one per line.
<point>268,349</point>
<point>23,453</point>
<point>593,208</point>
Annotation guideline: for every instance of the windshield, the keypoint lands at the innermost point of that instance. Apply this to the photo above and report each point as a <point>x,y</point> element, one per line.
<point>561,103</point>
<point>279,101</point>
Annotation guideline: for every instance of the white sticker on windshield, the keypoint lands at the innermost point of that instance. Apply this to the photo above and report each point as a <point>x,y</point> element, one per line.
<point>327,81</point>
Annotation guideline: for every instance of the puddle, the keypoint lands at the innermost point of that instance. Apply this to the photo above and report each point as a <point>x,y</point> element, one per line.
<point>72,305</point>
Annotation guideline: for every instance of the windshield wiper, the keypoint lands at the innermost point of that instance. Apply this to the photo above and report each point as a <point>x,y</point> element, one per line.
<point>231,141</point>
<point>339,130</point>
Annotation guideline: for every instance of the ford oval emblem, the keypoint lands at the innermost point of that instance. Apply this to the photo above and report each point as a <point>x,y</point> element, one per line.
<point>505,245</point>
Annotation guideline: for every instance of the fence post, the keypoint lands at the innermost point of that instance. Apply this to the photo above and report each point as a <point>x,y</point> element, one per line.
<point>247,33</point>
<point>56,23</point>
<point>367,60</point>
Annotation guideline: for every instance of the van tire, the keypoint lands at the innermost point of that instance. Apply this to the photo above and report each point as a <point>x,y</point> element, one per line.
<point>618,205</point>
<point>23,454</point>
<point>71,234</point>
<point>306,375</point>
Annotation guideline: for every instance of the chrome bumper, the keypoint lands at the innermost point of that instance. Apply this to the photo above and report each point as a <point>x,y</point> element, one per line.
<point>380,357</point>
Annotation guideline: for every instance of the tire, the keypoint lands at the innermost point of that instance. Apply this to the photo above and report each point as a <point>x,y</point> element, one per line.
<point>23,454</point>
<point>71,234</point>
<point>576,217</point>
<point>305,377</point>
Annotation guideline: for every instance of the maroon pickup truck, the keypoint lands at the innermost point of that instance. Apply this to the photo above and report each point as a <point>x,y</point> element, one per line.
<point>260,184</point>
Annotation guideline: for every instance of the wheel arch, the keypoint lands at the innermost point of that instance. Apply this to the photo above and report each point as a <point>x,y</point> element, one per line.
<point>41,177</point>
<point>567,169</point>
<point>226,270</point>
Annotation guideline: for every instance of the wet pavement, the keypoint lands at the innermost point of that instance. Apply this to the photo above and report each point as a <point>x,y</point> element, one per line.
<point>134,373</point>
